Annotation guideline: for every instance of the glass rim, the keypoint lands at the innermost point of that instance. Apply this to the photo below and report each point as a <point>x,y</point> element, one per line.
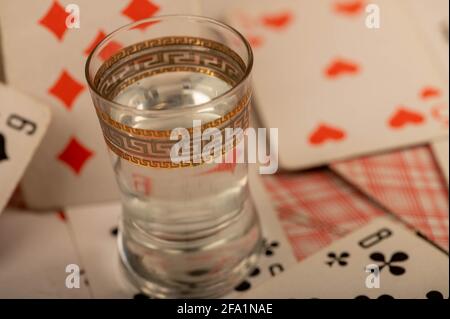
<point>194,108</point>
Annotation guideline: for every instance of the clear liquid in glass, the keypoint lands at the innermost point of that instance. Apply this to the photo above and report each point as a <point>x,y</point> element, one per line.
<point>185,232</point>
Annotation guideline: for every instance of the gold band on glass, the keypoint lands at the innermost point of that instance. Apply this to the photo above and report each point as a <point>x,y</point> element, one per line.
<point>152,148</point>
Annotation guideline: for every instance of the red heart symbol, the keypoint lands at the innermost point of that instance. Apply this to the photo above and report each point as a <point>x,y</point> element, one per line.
<point>339,67</point>
<point>403,116</point>
<point>429,92</point>
<point>277,21</point>
<point>325,132</point>
<point>349,8</point>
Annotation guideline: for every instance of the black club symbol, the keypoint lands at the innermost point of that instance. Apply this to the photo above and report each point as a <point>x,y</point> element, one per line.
<point>395,258</point>
<point>270,247</point>
<point>339,259</point>
<point>246,285</point>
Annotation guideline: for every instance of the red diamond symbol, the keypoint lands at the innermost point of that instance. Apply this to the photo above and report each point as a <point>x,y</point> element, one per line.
<point>111,48</point>
<point>55,20</point>
<point>99,37</point>
<point>75,155</point>
<point>140,9</point>
<point>66,89</point>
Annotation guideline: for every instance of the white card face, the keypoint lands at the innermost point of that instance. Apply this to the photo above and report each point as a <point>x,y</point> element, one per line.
<point>95,232</point>
<point>216,9</point>
<point>72,166</point>
<point>35,250</point>
<point>441,153</point>
<point>92,226</point>
<point>432,19</point>
<point>334,87</point>
<point>408,267</point>
<point>23,122</point>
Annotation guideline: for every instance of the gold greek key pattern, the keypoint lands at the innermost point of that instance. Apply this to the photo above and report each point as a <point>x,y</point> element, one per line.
<point>144,162</point>
<point>243,103</point>
<point>168,54</point>
<point>151,148</point>
<point>167,42</point>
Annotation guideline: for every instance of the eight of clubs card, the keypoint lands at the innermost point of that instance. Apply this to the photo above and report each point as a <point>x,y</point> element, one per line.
<point>380,260</point>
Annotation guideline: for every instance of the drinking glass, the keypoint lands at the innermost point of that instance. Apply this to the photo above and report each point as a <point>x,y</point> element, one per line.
<point>188,229</point>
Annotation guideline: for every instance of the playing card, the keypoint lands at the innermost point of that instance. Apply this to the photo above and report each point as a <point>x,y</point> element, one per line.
<point>432,20</point>
<point>95,232</point>
<point>336,85</point>
<point>95,229</point>
<point>72,166</point>
<point>382,260</point>
<point>23,122</point>
<point>440,151</point>
<point>407,183</point>
<point>216,9</point>
<point>317,207</point>
<point>37,257</point>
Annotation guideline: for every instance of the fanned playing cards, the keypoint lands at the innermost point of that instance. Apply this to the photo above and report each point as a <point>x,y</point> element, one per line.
<point>335,83</point>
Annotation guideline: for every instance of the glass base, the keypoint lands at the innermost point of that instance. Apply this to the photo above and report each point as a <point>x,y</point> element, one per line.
<point>214,288</point>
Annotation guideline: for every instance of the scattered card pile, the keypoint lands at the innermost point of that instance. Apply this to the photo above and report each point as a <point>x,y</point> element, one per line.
<point>360,206</point>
